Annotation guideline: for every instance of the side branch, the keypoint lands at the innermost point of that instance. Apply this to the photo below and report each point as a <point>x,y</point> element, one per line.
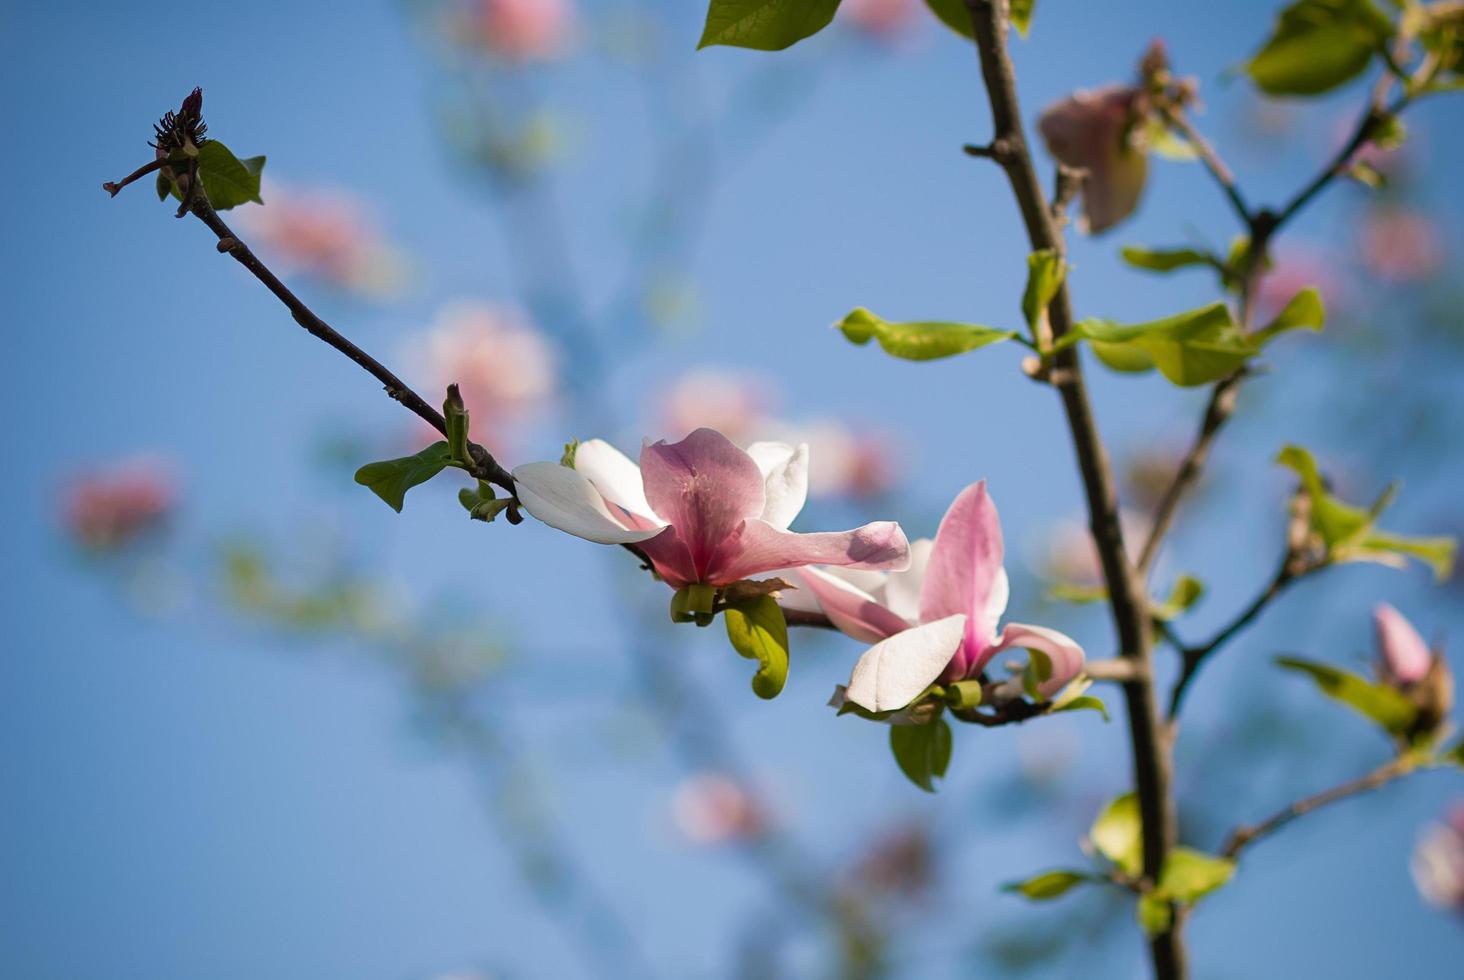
<point>1243,837</point>
<point>485,467</point>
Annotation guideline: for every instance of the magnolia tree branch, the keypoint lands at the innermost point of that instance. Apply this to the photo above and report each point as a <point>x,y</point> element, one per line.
<point>1243,837</point>
<point>1127,601</point>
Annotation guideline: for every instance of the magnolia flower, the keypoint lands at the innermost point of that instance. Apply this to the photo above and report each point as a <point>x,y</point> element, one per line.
<point>733,403</point>
<point>327,234</point>
<point>1438,862</point>
<point>880,19</point>
<point>1400,246</point>
<point>500,361</point>
<point>1403,656</point>
<point>1093,131</point>
<point>110,508</point>
<point>710,808</point>
<point>520,30</point>
<point>702,510</point>
<point>936,620</point>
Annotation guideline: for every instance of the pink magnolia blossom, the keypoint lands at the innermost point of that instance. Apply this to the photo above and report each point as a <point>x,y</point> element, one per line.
<point>1400,246</point>
<point>1093,131</point>
<point>1438,862</point>
<point>1294,269</point>
<point>112,507</point>
<point>710,808</point>
<point>936,620</point>
<point>1403,656</point>
<point>501,362</point>
<point>327,234</point>
<point>882,20</point>
<point>735,404</point>
<point>702,510</point>
<point>520,30</point>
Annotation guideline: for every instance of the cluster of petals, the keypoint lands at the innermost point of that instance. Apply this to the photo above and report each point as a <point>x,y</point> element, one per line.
<point>936,620</point>
<point>1438,862</point>
<point>702,510</point>
<point>712,808</point>
<point>109,508</point>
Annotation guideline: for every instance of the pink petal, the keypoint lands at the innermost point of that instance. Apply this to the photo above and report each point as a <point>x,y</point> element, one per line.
<point>1090,131</point>
<point>854,611</point>
<point>1406,658</point>
<point>616,477</point>
<point>671,559</point>
<point>564,499</point>
<point>761,548</point>
<point>1064,653</point>
<point>965,575</point>
<point>705,487</point>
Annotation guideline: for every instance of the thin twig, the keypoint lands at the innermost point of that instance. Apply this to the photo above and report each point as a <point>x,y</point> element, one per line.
<point>1127,600</point>
<point>1244,836</point>
<point>1176,120</point>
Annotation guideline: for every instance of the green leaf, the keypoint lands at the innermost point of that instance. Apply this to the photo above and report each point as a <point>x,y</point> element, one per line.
<point>759,632</point>
<point>1084,702</point>
<point>1350,532</point>
<point>964,694</point>
<point>482,504</point>
<point>922,341</point>
<point>1318,45</point>
<point>1190,875</point>
<point>1118,834</point>
<point>1167,259</point>
<point>922,751</point>
<point>955,15</point>
<point>391,479</point>
<point>227,180</point>
<point>766,25</point>
<point>1048,885</point>
<point>164,187</point>
<point>456,416</point>
<point>1021,14</point>
<point>1186,592</point>
<point>1455,755</point>
<point>1192,348</point>
<point>1154,913</point>
<point>1305,311</point>
<point>1380,703</point>
<point>1045,272</point>
<point>1080,594</point>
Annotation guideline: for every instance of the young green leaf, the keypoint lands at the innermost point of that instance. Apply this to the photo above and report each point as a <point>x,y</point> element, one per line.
<point>1190,875</point>
<point>1186,592</point>
<point>1193,348</point>
<point>955,15</point>
<point>1084,702</point>
<point>759,632</point>
<point>766,25</point>
<point>1154,913</point>
<point>1048,885</point>
<point>1380,703</point>
<point>391,479</point>
<point>1304,311</point>
<point>1167,259</point>
<point>1045,272</point>
<point>922,341</point>
<point>922,751</point>
<point>1350,532</point>
<point>1118,833</point>
<point>1318,45</point>
<point>227,180</point>
<point>1021,14</point>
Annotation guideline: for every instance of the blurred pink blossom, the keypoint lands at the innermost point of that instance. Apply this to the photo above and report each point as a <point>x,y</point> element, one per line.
<point>329,234</point>
<point>502,363</point>
<point>1400,246</point>
<point>1094,131</point>
<point>883,20</point>
<point>1438,862</point>
<point>519,30</point>
<point>846,461</point>
<point>712,808</point>
<point>1067,554</point>
<point>109,508</point>
<point>735,404</point>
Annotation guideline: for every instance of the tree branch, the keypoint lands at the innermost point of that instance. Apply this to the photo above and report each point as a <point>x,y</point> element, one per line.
<point>1127,601</point>
<point>1244,836</point>
<point>1176,120</point>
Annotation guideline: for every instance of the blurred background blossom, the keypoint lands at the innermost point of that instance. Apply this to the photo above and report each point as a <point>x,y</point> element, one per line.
<point>1438,862</point>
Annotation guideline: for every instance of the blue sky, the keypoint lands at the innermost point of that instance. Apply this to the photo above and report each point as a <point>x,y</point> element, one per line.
<point>189,795</point>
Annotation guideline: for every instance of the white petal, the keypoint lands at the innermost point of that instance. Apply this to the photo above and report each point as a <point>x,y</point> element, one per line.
<point>902,589</point>
<point>564,499</point>
<point>615,476</point>
<point>786,471</point>
<point>996,602</point>
<point>892,673</point>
